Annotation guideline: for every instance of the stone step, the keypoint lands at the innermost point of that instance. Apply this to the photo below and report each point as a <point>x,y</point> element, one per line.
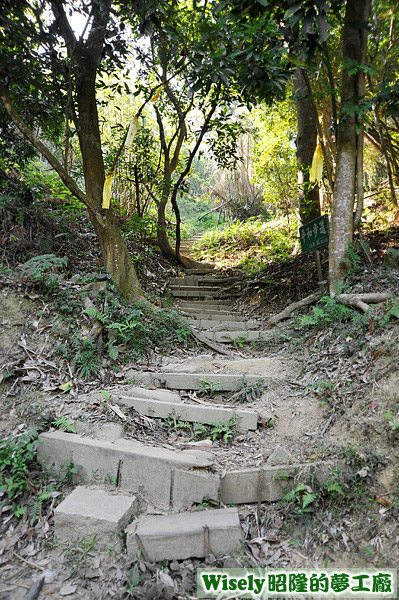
<point>192,280</point>
<point>90,512</point>
<point>231,337</point>
<point>224,325</point>
<point>131,465</point>
<point>194,413</point>
<point>203,303</point>
<point>198,292</point>
<point>269,484</point>
<point>185,535</point>
<point>212,316</point>
<point>188,381</point>
<point>194,288</point>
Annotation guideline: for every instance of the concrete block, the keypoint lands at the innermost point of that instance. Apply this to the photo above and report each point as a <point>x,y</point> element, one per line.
<point>194,413</point>
<point>193,487</point>
<point>227,337</point>
<point>184,535</point>
<point>138,392</point>
<point>134,466</point>
<point>190,381</point>
<point>109,432</point>
<point>248,485</point>
<point>212,316</point>
<point>219,325</point>
<point>89,512</point>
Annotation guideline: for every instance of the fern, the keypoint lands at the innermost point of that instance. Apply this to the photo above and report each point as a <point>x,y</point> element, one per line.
<point>64,424</point>
<point>38,266</point>
<point>35,511</point>
<point>308,498</point>
<point>293,494</point>
<point>97,314</point>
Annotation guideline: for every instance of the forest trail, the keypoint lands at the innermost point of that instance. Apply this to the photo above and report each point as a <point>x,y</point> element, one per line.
<point>246,403</point>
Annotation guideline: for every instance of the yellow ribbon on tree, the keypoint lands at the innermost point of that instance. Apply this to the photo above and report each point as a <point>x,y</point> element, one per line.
<point>132,131</point>
<point>157,93</point>
<point>107,190</point>
<point>316,171</point>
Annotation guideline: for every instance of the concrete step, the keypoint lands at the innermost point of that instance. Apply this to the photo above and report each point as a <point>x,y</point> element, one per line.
<point>91,512</point>
<point>192,280</point>
<point>224,325</point>
<point>208,294</point>
<point>130,464</point>
<point>189,381</point>
<point>247,486</point>
<point>194,288</point>
<point>230,337</point>
<point>212,316</point>
<point>199,303</point>
<point>185,535</point>
<point>194,413</point>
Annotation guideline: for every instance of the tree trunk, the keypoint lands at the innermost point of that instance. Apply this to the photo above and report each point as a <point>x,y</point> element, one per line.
<point>341,230</point>
<point>117,260</point>
<point>309,204</point>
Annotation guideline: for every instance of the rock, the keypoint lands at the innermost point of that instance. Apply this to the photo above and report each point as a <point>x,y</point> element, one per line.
<point>279,456</point>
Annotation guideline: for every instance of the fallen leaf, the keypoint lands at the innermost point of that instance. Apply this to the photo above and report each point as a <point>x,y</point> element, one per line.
<point>65,387</point>
<point>67,590</point>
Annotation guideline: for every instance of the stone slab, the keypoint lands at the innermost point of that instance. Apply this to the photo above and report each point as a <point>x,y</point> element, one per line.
<point>209,314</point>
<point>228,337</point>
<point>157,394</point>
<point>189,381</point>
<point>130,464</point>
<point>198,303</point>
<point>247,486</point>
<point>214,325</point>
<point>181,536</point>
<point>193,487</point>
<point>89,512</point>
<point>194,293</point>
<point>194,413</point>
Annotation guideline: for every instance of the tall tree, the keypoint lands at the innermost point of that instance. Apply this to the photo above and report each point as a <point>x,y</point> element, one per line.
<point>71,64</point>
<point>309,204</point>
<point>349,143</point>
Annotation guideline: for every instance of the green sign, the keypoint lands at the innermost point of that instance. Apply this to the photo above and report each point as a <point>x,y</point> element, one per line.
<point>314,235</point>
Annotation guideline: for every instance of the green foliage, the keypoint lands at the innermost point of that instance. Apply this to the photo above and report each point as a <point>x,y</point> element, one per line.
<point>17,460</point>
<point>207,388</point>
<point>250,245</point>
<point>41,269</point>
<point>247,392</point>
<point>299,498</point>
<point>78,552</point>
<point>214,430</point>
<point>327,311</point>
<point>86,357</point>
<point>64,424</point>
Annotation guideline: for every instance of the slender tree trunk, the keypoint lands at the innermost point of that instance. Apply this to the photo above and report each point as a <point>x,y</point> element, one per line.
<point>341,230</point>
<point>117,260</point>
<point>309,204</point>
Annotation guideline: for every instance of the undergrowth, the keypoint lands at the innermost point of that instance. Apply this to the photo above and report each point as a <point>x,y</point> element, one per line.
<point>251,244</point>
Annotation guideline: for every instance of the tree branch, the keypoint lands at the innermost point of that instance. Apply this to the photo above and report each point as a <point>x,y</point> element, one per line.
<point>48,155</point>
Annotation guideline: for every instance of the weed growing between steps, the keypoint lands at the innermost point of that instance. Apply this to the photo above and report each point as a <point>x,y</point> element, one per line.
<point>217,431</point>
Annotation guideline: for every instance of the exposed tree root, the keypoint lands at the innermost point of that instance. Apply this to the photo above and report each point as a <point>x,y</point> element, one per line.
<point>213,345</point>
<point>359,301</point>
<point>284,314</point>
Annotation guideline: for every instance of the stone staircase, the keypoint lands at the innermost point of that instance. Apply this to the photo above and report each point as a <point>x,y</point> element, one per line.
<point>163,483</point>
<point>205,302</point>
